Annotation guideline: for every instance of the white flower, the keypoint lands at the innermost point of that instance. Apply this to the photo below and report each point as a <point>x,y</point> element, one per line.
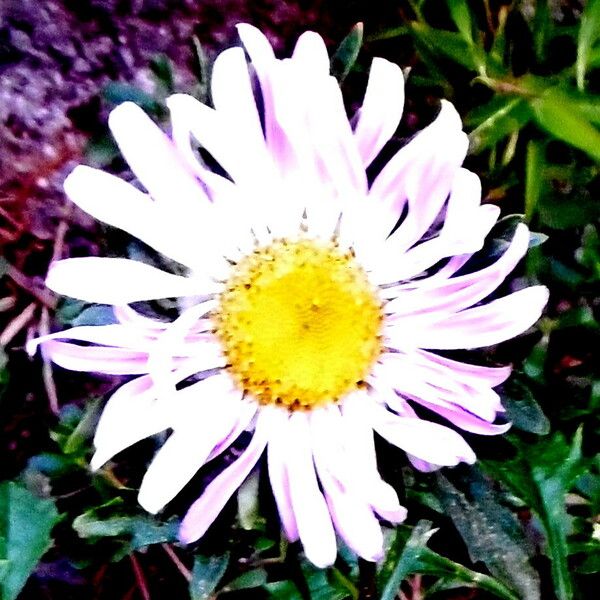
<point>309,316</point>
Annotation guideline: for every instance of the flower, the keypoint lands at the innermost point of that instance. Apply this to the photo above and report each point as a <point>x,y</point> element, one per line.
<point>313,301</point>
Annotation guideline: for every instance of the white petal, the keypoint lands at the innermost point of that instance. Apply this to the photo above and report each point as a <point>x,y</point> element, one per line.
<point>117,203</point>
<point>189,446</point>
<point>428,441</point>
<point>120,281</point>
<point>312,515</point>
<point>381,111</point>
<point>154,159</point>
<point>277,455</point>
<point>130,415</point>
<point>206,509</point>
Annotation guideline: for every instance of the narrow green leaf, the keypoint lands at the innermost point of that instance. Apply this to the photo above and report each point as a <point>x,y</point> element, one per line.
<point>346,54</point>
<point>491,533</point>
<point>507,114</point>
<point>26,522</point>
<point>461,15</point>
<point>589,33</point>
<point>562,118</point>
<point>406,557</point>
<point>207,572</point>
<point>542,475</point>
<point>534,176</point>
<point>76,442</point>
<point>451,45</point>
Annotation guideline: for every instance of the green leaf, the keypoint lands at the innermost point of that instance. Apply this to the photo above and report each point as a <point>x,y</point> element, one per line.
<point>77,441</point>
<point>556,113</point>
<point>505,115</point>
<point>542,475</point>
<point>98,314</point>
<point>323,585</point>
<point>251,579</point>
<point>451,45</point>
<point>408,556</point>
<point>283,590</point>
<point>346,54</point>
<point>491,532</point>
<point>589,33</point>
<point>522,409</point>
<point>534,176</point>
<point>162,68</point>
<point>461,15</point>
<point>26,522</point>
<point>207,572</point>
<point>116,93</point>
<point>107,521</point>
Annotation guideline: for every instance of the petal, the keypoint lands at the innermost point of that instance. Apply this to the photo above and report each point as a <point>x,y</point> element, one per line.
<point>312,515</point>
<point>354,520</point>
<point>189,446</point>
<point>108,335</point>
<point>130,415</point>
<point>120,281</point>
<point>96,359</point>
<point>206,509</point>
<point>485,325</point>
<point>381,111</point>
<point>153,158</point>
<point>360,451</point>
<point>421,173</point>
<point>428,441</point>
<point>117,203</point>
<point>457,293</point>
<point>310,53</point>
<point>277,456</point>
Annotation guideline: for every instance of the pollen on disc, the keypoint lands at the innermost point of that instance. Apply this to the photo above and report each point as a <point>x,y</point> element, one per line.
<point>299,323</point>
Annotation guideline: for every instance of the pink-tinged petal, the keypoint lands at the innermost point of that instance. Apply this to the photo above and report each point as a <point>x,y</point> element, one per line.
<point>417,381</point>
<point>486,325</point>
<point>277,456</point>
<point>381,110</point>
<point>246,412</point>
<point>108,335</point>
<point>312,515</point>
<point>205,510</point>
<point>353,519</point>
<point>153,158</point>
<point>120,281</point>
<point>421,173</point>
<point>465,420</point>
<point>117,203</point>
<point>130,415</point>
<point>475,374</point>
<point>197,429</point>
<point>428,441</point>
<point>457,293</point>
<point>96,359</point>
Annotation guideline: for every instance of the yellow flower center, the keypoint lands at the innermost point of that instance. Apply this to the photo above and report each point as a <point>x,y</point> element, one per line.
<point>299,323</point>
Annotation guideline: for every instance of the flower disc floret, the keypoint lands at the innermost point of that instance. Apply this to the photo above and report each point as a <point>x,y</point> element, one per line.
<point>300,323</point>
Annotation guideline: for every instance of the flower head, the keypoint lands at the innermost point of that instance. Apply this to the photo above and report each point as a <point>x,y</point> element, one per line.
<point>313,300</point>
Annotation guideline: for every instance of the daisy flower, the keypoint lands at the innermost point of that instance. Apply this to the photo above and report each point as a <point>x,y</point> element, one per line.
<point>313,299</point>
